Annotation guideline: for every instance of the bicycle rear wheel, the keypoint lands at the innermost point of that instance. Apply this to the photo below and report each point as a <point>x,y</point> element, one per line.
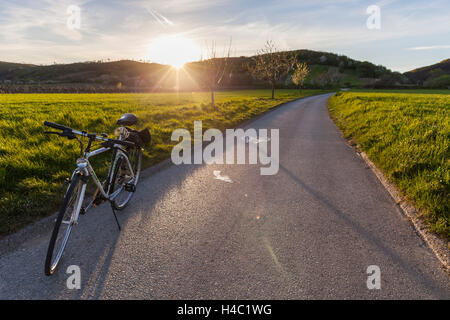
<point>64,223</point>
<point>123,181</point>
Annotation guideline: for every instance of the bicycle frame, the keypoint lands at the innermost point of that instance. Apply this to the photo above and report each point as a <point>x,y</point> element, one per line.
<point>85,169</point>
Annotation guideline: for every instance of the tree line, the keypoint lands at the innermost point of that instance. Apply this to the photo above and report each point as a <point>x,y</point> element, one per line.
<point>269,65</point>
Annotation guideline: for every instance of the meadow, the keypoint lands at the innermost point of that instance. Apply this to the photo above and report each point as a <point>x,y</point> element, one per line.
<point>33,166</point>
<point>410,91</point>
<point>407,135</point>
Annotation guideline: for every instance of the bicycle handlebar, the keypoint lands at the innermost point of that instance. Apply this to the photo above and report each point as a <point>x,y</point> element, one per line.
<point>70,131</point>
<point>56,126</point>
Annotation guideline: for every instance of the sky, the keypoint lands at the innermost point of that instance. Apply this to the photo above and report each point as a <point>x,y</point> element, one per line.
<point>411,33</point>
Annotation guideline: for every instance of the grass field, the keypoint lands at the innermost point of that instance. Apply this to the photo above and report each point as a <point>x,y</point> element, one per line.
<point>410,91</point>
<point>33,166</point>
<point>408,137</point>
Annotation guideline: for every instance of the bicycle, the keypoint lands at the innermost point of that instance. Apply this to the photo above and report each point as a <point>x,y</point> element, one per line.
<point>118,188</point>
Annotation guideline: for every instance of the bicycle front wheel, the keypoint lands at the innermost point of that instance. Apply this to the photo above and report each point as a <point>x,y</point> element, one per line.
<point>64,223</point>
<point>124,181</point>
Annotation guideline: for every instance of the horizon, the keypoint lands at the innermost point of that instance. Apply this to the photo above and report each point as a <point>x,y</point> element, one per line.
<point>169,65</point>
<point>408,36</point>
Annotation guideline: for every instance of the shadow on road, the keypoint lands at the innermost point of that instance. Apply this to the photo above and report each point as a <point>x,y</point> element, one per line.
<point>419,277</point>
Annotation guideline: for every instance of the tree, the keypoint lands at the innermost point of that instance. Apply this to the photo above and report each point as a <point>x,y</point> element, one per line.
<point>215,68</point>
<point>270,65</point>
<point>441,82</point>
<point>300,74</point>
<point>366,69</point>
<point>390,80</point>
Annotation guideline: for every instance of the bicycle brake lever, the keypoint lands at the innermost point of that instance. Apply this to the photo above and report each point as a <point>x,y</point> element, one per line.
<point>69,134</point>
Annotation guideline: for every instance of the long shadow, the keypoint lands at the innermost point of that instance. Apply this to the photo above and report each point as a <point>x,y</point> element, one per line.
<point>173,180</point>
<point>366,234</point>
<point>98,283</point>
<point>92,246</point>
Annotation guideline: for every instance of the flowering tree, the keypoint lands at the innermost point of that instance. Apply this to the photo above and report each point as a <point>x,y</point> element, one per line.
<point>300,74</point>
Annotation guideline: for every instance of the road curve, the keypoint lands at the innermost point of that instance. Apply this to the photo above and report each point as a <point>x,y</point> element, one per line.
<point>309,232</point>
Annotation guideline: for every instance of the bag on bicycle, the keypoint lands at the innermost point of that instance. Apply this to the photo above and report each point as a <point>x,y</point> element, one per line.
<point>145,136</point>
<point>140,138</point>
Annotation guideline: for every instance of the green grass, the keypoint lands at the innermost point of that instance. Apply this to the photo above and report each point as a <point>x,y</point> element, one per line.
<point>408,137</point>
<point>411,91</point>
<point>317,70</point>
<point>33,166</point>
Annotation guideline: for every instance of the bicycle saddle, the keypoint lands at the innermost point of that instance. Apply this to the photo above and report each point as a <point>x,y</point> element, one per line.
<point>127,119</point>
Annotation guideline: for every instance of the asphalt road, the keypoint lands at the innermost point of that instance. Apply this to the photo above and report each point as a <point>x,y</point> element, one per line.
<point>309,232</point>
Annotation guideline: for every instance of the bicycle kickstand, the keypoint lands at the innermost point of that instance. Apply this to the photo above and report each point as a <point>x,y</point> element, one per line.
<point>115,216</point>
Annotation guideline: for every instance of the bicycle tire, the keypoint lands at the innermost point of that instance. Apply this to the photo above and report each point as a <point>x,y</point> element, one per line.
<point>135,157</point>
<point>71,195</point>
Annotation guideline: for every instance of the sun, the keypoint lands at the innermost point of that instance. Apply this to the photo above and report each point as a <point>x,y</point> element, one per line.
<point>175,50</point>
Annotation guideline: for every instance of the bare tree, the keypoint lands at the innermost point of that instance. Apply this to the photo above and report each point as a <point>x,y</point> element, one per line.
<point>215,68</point>
<point>300,74</point>
<point>270,64</point>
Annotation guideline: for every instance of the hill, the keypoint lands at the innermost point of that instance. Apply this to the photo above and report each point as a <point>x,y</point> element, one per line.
<point>82,72</point>
<point>434,76</point>
<point>6,67</point>
<point>327,70</point>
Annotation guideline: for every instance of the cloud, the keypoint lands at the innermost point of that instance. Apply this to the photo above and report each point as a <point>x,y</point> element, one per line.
<point>430,47</point>
<point>160,18</point>
<point>123,29</point>
<point>186,6</point>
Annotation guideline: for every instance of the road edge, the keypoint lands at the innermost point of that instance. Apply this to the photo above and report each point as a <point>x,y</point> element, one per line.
<point>436,244</point>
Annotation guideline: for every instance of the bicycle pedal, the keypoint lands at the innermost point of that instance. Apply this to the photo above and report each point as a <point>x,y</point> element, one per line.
<point>83,210</point>
<point>98,200</point>
<point>130,187</point>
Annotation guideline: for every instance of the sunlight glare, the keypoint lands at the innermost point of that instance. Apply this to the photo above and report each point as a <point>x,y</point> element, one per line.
<point>174,50</point>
